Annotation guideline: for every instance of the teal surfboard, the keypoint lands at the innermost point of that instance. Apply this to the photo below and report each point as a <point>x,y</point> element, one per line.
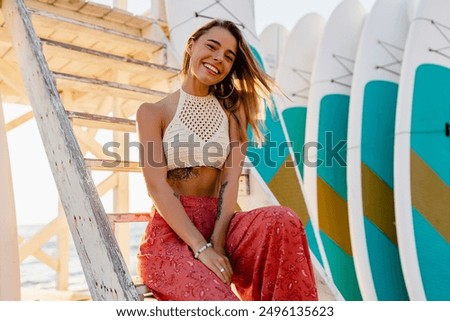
<point>377,159</point>
<point>273,161</point>
<point>430,178</point>
<point>422,155</point>
<point>326,129</point>
<point>332,193</point>
<point>370,153</point>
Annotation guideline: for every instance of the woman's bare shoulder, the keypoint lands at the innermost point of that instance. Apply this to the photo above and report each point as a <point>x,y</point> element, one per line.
<point>154,111</point>
<point>149,110</point>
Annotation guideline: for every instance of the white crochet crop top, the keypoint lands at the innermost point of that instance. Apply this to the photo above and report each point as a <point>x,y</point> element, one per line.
<point>198,133</point>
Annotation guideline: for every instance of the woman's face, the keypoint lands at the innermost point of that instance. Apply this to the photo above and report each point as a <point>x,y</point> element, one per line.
<point>212,55</point>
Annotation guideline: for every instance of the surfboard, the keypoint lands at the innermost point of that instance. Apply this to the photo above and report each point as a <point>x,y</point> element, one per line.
<point>184,17</point>
<point>274,168</point>
<point>293,77</point>
<point>273,39</point>
<point>422,154</point>
<point>326,136</point>
<point>274,162</point>
<point>370,153</point>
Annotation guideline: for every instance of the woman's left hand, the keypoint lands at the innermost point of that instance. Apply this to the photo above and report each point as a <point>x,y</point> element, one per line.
<point>218,263</point>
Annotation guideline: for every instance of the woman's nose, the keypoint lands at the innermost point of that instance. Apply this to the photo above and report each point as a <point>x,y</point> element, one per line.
<point>218,56</point>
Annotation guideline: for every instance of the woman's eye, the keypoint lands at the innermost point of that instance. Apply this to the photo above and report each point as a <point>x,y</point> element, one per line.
<point>210,46</point>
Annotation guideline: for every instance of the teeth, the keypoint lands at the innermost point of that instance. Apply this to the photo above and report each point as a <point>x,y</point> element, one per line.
<point>211,68</point>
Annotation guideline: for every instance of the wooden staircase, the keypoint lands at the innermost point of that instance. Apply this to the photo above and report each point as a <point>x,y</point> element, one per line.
<point>86,68</point>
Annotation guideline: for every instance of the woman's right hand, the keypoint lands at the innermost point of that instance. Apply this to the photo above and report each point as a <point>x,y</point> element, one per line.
<point>218,263</point>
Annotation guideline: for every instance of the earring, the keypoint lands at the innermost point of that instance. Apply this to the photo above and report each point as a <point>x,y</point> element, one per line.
<point>230,85</point>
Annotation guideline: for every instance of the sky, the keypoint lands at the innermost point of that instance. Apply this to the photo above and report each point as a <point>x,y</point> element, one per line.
<point>35,193</point>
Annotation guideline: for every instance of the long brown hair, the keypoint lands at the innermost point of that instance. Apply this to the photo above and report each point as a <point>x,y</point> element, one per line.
<point>249,85</point>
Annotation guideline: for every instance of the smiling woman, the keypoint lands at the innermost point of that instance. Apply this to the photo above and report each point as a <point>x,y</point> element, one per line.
<point>196,245</point>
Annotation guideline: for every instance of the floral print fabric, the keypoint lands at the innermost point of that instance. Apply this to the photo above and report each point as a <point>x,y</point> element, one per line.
<point>267,248</point>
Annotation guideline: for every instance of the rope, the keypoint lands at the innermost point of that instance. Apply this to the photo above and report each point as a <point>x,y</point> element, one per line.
<point>397,61</point>
<point>340,60</point>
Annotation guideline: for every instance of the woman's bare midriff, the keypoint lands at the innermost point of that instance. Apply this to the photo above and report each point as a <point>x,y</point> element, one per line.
<point>202,181</point>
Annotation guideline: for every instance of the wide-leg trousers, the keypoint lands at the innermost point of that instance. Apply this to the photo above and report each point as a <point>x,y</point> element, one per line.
<point>267,248</point>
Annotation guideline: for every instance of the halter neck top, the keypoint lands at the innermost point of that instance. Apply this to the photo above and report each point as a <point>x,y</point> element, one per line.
<point>198,133</point>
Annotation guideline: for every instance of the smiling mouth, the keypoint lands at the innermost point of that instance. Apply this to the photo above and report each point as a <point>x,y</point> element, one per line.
<point>211,68</point>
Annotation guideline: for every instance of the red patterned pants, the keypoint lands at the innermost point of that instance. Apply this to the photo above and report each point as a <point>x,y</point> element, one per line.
<point>267,248</point>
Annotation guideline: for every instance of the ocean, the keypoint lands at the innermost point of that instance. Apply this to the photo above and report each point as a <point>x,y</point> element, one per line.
<point>37,275</point>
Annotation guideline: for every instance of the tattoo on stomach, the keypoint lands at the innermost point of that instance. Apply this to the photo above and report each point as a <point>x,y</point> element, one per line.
<point>186,173</point>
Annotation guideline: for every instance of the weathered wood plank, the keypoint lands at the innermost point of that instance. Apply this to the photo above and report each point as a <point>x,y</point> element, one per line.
<point>110,84</point>
<point>107,184</point>
<point>143,291</point>
<point>102,122</point>
<point>112,165</point>
<point>89,94</point>
<point>33,244</point>
<point>38,254</point>
<point>83,15</point>
<point>128,39</point>
<point>170,71</point>
<point>128,217</point>
<point>71,23</point>
<point>102,262</point>
<point>16,122</point>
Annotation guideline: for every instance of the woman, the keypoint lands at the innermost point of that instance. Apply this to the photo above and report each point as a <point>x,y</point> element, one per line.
<point>194,141</point>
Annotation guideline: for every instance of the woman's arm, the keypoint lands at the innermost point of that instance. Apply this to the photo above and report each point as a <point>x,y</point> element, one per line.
<point>229,186</point>
<point>154,165</point>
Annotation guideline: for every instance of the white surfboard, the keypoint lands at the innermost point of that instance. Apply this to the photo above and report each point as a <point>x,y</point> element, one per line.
<point>422,154</point>
<point>293,76</point>
<point>273,39</point>
<point>370,156</point>
<point>184,17</point>
<point>326,126</point>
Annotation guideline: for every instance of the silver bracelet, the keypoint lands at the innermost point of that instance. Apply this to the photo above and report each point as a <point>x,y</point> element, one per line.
<point>200,250</point>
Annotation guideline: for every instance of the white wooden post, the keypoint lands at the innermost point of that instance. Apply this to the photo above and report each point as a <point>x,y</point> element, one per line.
<point>9,247</point>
